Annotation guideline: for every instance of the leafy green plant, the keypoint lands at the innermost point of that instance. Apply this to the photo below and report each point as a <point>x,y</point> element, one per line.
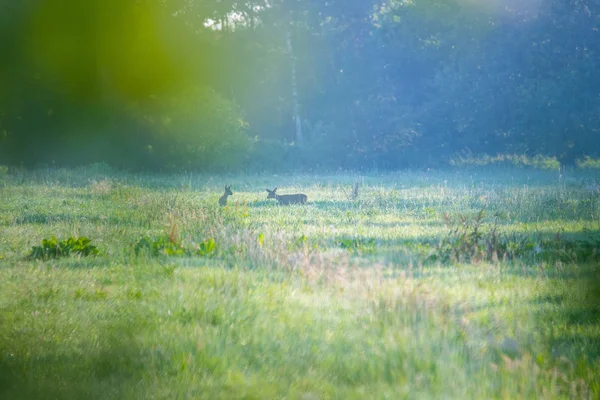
<point>359,245</point>
<point>260,239</point>
<point>301,240</point>
<point>206,248</point>
<point>55,248</point>
<point>167,246</point>
<point>159,246</point>
<point>169,270</point>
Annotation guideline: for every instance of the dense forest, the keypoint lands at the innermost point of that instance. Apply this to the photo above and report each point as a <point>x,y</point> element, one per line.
<point>220,85</point>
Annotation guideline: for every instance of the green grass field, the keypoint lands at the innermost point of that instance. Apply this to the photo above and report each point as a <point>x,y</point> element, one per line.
<point>463,284</point>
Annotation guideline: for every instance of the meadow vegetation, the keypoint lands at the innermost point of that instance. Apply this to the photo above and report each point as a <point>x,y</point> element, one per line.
<point>463,283</point>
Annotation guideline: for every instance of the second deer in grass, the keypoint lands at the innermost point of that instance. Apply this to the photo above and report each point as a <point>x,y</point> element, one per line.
<point>223,199</point>
<point>286,199</point>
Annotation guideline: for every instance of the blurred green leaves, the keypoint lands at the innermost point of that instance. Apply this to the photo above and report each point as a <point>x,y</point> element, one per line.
<point>54,248</point>
<point>124,81</point>
<point>129,46</point>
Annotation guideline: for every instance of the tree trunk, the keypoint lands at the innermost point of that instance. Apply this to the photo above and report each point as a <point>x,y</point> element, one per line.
<point>298,121</point>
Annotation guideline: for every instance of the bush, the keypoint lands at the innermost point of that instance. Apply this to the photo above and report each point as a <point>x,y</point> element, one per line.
<point>54,248</point>
<point>168,246</point>
<point>538,161</point>
<point>473,240</point>
<point>194,130</point>
<point>159,246</point>
<point>359,245</point>
<point>588,163</point>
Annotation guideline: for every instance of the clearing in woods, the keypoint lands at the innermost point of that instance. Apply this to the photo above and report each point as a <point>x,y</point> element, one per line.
<point>456,284</point>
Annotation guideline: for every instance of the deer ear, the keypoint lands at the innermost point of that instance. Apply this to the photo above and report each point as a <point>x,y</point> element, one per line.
<point>274,190</point>
<point>268,190</point>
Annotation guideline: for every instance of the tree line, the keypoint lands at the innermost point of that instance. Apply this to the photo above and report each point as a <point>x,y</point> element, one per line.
<point>282,84</point>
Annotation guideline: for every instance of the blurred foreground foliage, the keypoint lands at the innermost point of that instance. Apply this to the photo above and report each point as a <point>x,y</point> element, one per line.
<point>207,85</point>
<point>113,80</point>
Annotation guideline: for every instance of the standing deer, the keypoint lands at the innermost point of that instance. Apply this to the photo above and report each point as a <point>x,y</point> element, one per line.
<point>286,199</point>
<point>223,199</point>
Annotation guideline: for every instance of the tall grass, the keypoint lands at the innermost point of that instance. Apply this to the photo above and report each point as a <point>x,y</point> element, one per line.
<point>345,297</point>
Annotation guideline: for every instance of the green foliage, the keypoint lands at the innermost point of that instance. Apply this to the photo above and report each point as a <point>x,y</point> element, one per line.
<point>466,242</point>
<point>179,85</point>
<point>160,246</point>
<point>207,248</point>
<point>260,239</point>
<point>346,319</point>
<point>301,241</point>
<point>304,243</point>
<point>562,249</point>
<point>166,246</point>
<point>359,245</point>
<point>278,155</point>
<point>55,248</point>
<point>196,129</point>
<point>474,240</point>
<point>588,163</point>
<point>538,161</point>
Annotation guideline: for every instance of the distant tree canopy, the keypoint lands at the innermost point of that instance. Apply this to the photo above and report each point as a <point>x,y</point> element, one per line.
<point>207,85</point>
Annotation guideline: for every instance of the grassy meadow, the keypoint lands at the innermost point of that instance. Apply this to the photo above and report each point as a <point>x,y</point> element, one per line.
<point>462,284</point>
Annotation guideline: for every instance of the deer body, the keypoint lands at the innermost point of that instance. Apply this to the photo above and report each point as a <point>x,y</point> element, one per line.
<point>286,199</point>
<point>223,199</point>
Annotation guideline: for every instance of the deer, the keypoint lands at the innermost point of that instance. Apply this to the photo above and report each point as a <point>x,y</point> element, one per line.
<point>223,199</point>
<point>285,199</point>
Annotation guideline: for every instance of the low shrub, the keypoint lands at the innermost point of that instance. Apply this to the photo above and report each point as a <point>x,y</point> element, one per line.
<point>166,246</point>
<point>359,245</point>
<point>518,160</point>
<point>588,163</point>
<point>55,248</point>
<point>472,239</point>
